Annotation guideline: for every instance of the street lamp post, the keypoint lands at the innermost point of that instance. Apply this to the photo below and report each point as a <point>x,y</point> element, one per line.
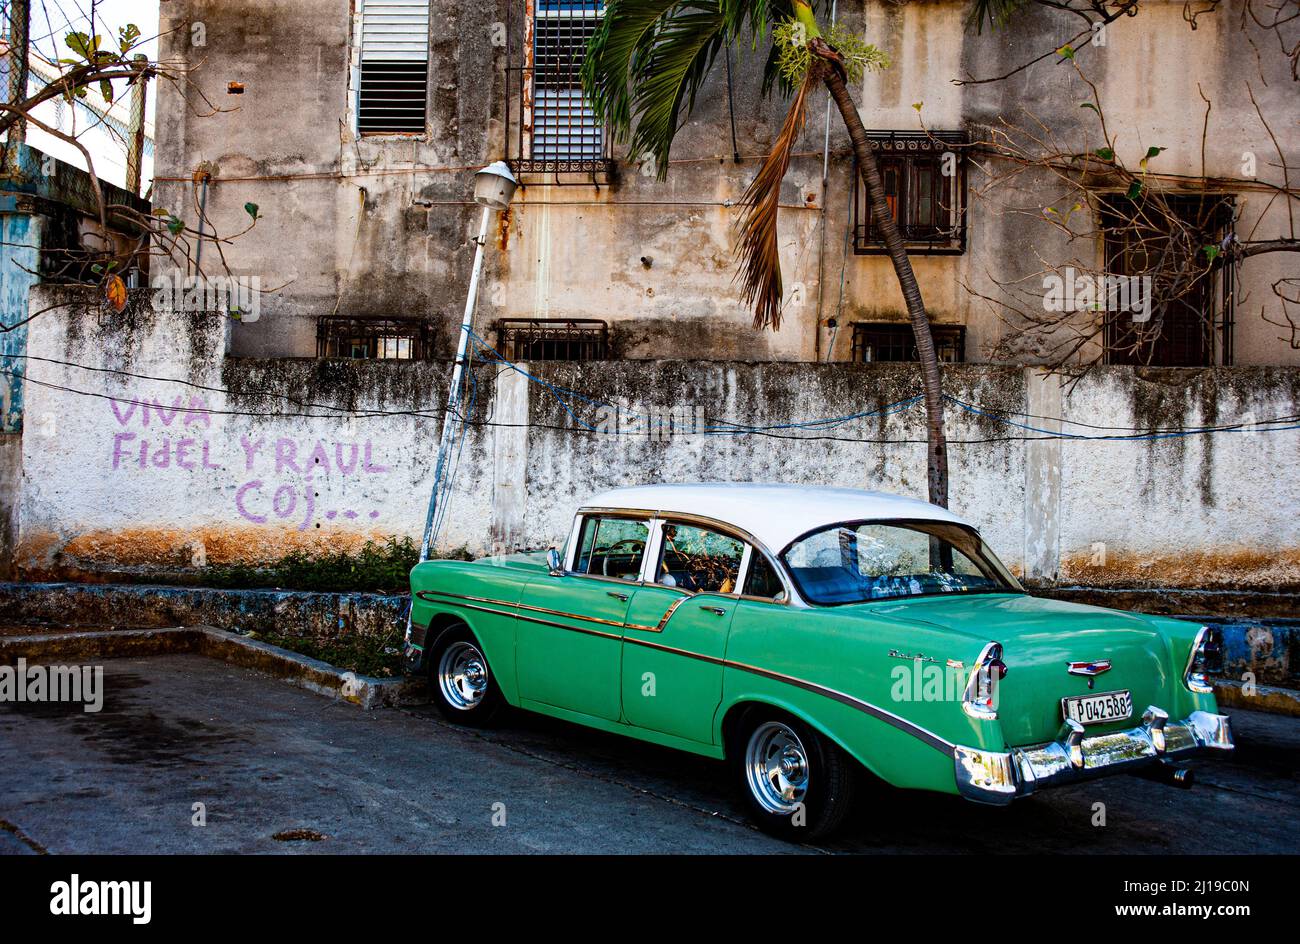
<point>494,186</point>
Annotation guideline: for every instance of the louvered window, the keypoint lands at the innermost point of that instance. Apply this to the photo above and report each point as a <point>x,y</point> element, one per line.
<point>394,87</point>
<point>550,127</point>
<point>564,128</point>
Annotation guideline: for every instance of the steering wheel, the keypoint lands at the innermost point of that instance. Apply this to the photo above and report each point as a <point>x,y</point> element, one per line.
<point>635,545</point>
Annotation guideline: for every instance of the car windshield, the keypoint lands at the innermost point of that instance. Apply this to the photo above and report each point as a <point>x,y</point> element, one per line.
<point>856,562</point>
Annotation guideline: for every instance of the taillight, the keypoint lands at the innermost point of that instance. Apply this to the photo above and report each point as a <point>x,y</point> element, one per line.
<point>981,697</point>
<point>1205,652</point>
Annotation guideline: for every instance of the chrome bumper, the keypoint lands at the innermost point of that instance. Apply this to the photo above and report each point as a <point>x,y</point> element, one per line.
<point>1000,778</point>
<point>413,654</point>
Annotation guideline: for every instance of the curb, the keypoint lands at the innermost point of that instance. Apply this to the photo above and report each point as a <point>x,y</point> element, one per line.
<point>317,613</point>
<point>1275,701</point>
<point>302,671</point>
<point>366,691</point>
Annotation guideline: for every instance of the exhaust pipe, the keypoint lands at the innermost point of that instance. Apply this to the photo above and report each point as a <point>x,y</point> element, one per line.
<point>1174,775</point>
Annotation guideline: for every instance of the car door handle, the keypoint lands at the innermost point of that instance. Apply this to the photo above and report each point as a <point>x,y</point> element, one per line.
<point>615,593</point>
<point>715,610</point>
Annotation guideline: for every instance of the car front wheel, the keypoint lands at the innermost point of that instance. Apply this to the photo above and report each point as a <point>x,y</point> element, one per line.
<point>463,687</point>
<point>798,784</point>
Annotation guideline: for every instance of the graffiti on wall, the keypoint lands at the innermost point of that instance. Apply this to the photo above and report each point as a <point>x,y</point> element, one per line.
<point>280,477</point>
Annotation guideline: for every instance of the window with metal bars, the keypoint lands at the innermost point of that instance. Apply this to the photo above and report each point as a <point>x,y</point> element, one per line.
<point>393,85</point>
<point>924,177</point>
<point>1163,239</point>
<point>875,341</point>
<point>403,339</point>
<point>551,127</point>
<point>553,339</point>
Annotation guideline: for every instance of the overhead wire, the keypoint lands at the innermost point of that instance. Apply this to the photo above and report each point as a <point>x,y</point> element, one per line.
<point>571,401</point>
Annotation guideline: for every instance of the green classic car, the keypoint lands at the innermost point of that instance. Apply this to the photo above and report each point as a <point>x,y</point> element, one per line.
<point>807,635</point>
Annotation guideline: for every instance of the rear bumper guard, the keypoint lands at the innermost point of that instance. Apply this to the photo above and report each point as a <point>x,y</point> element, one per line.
<point>1000,778</point>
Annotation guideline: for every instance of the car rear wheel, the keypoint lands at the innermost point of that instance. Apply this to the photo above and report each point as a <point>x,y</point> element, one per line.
<point>463,687</point>
<point>798,784</point>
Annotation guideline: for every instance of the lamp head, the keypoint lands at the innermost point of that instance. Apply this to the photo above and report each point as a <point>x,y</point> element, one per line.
<point>494,186</point>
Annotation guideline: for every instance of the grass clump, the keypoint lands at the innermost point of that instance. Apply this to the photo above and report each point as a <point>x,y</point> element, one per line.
<point>377,656</point>
<point>373,568</point>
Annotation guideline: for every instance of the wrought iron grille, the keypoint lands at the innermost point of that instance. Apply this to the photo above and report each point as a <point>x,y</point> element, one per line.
<point>550,128</point>
<point>877,341</point>
<point>546,339</point>
<point>1194,329</point>
<point>393,89</point>
<point>404,339</point>
<point>925,186</point>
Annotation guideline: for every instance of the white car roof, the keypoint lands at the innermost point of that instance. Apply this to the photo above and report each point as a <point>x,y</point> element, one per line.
<point>774,514</point>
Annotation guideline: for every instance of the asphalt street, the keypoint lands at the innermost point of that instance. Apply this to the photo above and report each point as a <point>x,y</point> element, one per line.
<point>278,769</point>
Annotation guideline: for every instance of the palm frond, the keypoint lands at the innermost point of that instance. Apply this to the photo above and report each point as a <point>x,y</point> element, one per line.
<point>670,75</point>
<point>997,13</point>
<point>626,30</point>
<point>648,59</point>
<point>757,247</point>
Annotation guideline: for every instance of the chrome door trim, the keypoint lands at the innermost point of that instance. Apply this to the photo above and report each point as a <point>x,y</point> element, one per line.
<point>902,724</point>
<point>621,624</point>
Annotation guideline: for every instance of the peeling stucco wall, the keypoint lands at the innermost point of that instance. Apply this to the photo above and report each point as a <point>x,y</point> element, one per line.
<point>382,226</point>
<point>156,452</point>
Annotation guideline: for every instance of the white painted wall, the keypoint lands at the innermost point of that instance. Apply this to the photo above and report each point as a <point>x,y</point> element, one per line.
<point>224,486</point>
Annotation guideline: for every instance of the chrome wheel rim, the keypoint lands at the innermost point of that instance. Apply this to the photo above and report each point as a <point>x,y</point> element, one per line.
<point>462,675</point>
<point>776,768</point>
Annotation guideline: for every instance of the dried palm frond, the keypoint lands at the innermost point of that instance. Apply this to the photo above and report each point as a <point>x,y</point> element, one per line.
<point>757,248</point>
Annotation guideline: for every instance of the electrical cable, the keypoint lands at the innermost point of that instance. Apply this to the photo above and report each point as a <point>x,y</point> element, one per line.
<point>563,397</point>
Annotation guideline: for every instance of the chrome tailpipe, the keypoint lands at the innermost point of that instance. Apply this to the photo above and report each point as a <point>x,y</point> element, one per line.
<point>1173,775</point>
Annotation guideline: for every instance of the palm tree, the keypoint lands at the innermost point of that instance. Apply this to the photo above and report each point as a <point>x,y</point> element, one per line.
<point>646,64</point>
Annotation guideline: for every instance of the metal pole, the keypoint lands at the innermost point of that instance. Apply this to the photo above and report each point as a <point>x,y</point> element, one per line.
<point>19,40</point>
<point>203,218</point>
<point>731,105</point>
<point>457,375</point>
<point>135,131</point>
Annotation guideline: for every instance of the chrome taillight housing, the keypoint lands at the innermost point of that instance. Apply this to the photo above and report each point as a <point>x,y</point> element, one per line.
<point>1205,651</point>
<point>981,697</point>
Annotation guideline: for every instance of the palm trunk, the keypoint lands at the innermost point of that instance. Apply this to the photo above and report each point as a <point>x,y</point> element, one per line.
<point>937,465</point>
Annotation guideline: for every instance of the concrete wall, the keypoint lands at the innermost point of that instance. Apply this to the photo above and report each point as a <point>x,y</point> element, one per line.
<point>157,453</point>
<point>11,456</point>
<point>381,226</point>
<point>48,216</point>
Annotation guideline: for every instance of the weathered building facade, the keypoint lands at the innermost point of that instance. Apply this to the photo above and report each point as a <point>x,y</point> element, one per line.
<point>364,189</point>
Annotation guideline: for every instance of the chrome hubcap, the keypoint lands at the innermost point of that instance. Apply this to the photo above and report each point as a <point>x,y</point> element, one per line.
<point>462,675</point>
<point>776,767</point>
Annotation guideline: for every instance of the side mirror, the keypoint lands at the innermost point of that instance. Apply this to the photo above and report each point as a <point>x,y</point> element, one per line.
<point>554,562</point>
<point>780,597</point>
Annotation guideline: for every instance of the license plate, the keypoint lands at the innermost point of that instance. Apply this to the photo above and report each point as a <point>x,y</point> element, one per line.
<point>1098,709</point>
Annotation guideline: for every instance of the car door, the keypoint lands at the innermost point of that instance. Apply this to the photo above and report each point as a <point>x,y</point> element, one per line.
<point>675,639</point>
<point>569,636</point>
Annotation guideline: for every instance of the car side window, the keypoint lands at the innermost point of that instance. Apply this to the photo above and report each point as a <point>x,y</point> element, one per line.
<point>762,580</point>
<point>612,547</point>
<point>698,559</point>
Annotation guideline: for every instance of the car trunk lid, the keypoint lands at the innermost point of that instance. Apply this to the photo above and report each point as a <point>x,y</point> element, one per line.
<point>1040,639</point>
